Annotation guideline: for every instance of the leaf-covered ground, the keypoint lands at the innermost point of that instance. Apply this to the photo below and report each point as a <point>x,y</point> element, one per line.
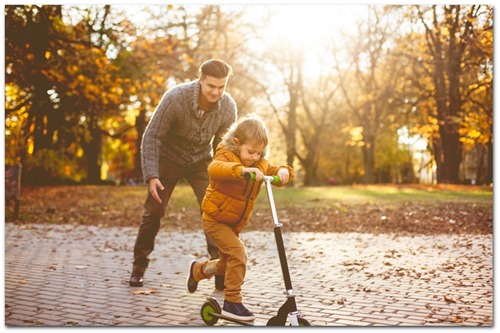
<point>122,206</point>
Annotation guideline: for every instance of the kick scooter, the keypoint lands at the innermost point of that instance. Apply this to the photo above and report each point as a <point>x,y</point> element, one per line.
<point>211,310</point>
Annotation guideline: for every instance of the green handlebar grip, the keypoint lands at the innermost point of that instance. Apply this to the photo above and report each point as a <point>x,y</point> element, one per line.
<point>251,176</point>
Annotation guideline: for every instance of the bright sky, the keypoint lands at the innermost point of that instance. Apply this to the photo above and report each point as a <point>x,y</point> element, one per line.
<point>299,26</point>
<point>309,27</point>
<point>306,24</point>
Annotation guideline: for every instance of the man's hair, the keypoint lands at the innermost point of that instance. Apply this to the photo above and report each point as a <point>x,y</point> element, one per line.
<point>216,68</point>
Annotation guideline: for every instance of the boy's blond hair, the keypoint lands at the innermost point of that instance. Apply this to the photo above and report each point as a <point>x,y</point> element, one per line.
<point>249,128</point>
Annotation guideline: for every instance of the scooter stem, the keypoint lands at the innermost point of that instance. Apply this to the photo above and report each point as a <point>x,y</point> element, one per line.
<point>268,180</point>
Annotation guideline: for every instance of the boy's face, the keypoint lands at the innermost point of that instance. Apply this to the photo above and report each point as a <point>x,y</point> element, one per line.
<point>212,88</point>
<point>250,152</point>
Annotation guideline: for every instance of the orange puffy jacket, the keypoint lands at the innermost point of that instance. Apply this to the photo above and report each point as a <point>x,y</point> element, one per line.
<point>229,197</point>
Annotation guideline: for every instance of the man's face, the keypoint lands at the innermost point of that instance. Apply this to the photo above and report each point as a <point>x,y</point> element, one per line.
<point>212,88</point>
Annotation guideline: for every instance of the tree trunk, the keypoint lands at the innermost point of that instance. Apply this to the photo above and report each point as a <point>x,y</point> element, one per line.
<point>452,157</point>
<point>291,141</point>
<point>489,174</point>
<point>140,127</point>
<point>447,61</point>
<point>368,165</point>
<point>92,150</point>
<point>41,104</point>
<point>290,135</point>
<point>438,158</point>
<point>368,158</point>
<point>480,151</point>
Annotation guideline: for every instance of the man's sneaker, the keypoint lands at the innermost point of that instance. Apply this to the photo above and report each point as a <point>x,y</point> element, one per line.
<point>237,311</point>
<point>191,283</point>
<point>219,282</point>
<point>136,279</point>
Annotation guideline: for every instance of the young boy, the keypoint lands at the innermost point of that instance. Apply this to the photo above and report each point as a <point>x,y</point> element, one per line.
<point>228,204</point>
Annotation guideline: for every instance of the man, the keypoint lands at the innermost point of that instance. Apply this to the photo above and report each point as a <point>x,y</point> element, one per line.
<point>179,141</point>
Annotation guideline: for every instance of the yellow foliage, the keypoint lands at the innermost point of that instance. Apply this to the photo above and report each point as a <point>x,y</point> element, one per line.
<point>473,134</point>
<point>130,115</point>
<point>160,80</point>
<point>356,133</point>
<point>432,120</point>
<point>31,146</point>
<point>67,170</point>
<point>467,141</point>
<point>115,145</point>
<point>187,58</point>
<point>98,63</point>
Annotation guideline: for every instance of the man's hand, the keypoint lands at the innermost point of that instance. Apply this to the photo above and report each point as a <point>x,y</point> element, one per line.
<point>154,185</point>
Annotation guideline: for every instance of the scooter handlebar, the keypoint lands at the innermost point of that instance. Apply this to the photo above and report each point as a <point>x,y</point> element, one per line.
<point>271,179</point>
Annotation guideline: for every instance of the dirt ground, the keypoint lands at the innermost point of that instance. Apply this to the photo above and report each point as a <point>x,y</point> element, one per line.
<point>95,205</point>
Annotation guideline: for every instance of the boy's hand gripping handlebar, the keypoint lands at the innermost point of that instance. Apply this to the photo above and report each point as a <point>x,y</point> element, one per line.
<point>272,179</point>
<point>268,180</point>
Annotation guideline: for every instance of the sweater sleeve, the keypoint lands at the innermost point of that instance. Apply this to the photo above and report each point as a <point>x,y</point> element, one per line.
<point>232,113</point>
<point>155,134</point>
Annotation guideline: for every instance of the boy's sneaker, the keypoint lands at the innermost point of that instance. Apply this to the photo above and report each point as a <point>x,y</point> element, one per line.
<point>237,311</point>
<point>191,283</point>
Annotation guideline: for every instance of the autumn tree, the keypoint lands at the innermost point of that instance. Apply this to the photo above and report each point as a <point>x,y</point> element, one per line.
<point>95,83</point>
<point>146,66</point>
<point>33,37</point>
<point>66,85</point>
<point>477,127</point>
<point>369,89</point>
<point>450,33</point>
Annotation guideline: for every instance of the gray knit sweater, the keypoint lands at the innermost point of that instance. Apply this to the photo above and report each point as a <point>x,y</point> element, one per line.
<point>178,134</point>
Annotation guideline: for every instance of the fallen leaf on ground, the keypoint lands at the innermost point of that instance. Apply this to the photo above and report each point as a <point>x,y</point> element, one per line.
<point>457,319</point>
<point>449,299</point>
<point>143,291</point>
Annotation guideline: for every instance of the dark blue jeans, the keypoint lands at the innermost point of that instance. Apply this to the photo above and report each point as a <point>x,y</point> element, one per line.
<point>170,174</point>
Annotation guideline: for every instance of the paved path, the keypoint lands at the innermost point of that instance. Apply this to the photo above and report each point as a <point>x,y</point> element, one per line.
<point>77,276</point>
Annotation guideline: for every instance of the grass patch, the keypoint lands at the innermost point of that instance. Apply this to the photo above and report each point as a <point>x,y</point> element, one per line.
<point>326,197</point>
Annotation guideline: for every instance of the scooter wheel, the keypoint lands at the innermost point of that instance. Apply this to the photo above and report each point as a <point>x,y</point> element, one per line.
<point>276,321</point>
<point>303,322</point>
<point>207,311</point>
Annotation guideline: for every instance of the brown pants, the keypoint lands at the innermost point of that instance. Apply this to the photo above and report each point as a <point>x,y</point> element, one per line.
<point>170,174</point>
<point>232,262</point>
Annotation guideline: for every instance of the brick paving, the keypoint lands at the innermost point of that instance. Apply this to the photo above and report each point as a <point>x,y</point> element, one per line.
<point>63,275</point>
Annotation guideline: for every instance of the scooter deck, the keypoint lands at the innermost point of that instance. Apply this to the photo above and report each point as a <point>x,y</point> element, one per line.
<point>239,322</point>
